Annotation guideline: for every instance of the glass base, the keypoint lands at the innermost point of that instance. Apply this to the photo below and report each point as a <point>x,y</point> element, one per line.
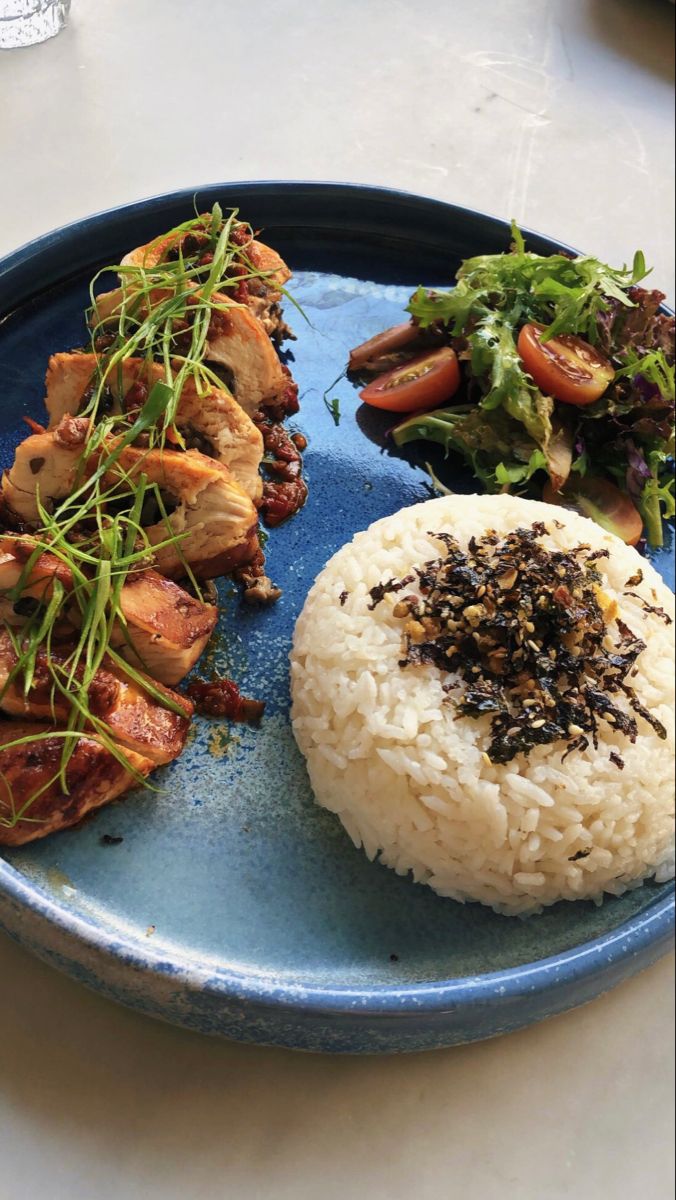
<point>27,22</point>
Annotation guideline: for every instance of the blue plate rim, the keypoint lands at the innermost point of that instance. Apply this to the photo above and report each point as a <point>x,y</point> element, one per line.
<point>92,221</point>
<point>652,929</point>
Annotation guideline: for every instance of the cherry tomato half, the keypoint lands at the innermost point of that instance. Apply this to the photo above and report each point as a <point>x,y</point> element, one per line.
<point>602,501</point>
<point>424,382</point>
<point>383,343</point>
<point>565,367</point>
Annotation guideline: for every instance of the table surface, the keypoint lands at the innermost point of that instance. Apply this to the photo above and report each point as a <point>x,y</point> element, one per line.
<point>556,112</point>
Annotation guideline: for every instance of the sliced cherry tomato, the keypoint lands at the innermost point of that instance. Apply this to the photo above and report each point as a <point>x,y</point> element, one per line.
<point>383,343</point>
<point>565,367</point>
<point>602,501</point>
<point>424,382</point>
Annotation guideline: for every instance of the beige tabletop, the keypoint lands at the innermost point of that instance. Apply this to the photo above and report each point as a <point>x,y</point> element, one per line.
<point>556,112</point>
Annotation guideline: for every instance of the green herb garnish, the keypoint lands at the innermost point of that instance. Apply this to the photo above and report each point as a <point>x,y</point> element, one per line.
<point>332,404</point>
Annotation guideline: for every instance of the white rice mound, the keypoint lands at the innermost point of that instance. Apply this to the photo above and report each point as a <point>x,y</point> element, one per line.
<point>410,782</point>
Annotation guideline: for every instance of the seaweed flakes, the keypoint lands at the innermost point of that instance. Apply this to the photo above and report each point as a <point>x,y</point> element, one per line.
<point>381,590</point>
<point>522,629</point>
<point>651,608</point>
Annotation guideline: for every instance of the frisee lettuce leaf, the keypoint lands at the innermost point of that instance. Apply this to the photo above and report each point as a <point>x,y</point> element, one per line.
<point>495,359</point>
<point>654,367</point>
<point>508,473</point>
<point>486,440</point>
<point>565,294</point>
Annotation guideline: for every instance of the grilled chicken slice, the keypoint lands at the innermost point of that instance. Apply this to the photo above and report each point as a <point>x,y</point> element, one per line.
<point>45,468</point>
<point>202,500</point>
<point>69,379</point>
<point>37,586</point>
<point>212,422</point>
<point>168,629</point>
<point>136,720</point>
<point>94,777</point>
<point>165,630</point>
<point>237,343</point>
<point>265,292</point>
<point>216,425</point>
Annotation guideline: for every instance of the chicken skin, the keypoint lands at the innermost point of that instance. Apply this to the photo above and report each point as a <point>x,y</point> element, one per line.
<point>138,717</point>
<point>163,630</point>
<point>30,781</point>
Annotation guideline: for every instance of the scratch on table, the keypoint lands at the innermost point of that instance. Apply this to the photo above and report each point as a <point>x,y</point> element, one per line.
<point>491,60</point>
<point>522,170</point>
<point>570,72</point>
<point>532,112</point>
<point>544,78</point>
<point>639,161</point>
<point>424,166</point>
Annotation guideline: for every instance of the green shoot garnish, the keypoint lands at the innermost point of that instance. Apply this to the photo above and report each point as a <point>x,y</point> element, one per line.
<point>332,403</point>
<point>333,407</point>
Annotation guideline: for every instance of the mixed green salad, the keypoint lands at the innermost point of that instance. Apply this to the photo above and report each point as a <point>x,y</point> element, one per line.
<point>566,372</point>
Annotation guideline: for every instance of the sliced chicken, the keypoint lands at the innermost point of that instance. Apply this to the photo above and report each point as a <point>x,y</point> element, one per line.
<point>211,422</point>
<point>264,293</point>
<point>71,376</point>
<point>219,427</point>
<point>165,629</point>
<point>37,585</point>
<point>45,469</point>
<point>216,517</point>
<point>136,720</point>
<point>237,343</point>
<point>30,781</point>
<point>168,629</point>
<point>261,256</point>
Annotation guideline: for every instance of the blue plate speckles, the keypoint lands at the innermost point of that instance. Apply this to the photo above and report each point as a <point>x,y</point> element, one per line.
<point>233,905</point>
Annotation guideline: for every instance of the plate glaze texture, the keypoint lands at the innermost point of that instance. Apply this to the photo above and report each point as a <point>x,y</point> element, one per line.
<point>233,905</point>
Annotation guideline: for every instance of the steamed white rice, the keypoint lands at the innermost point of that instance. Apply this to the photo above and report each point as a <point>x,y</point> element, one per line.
<point>411,784</point>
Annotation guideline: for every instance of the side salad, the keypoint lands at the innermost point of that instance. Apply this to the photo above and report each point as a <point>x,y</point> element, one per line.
<point>566,372</point>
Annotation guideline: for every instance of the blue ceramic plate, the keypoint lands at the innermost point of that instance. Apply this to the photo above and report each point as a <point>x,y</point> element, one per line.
<point>234,905</point>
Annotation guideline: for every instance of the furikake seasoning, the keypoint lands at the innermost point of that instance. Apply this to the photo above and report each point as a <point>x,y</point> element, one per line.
<point>527,631</point>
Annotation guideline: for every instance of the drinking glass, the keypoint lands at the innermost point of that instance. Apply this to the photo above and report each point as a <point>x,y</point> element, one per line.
<point>24,22</point>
